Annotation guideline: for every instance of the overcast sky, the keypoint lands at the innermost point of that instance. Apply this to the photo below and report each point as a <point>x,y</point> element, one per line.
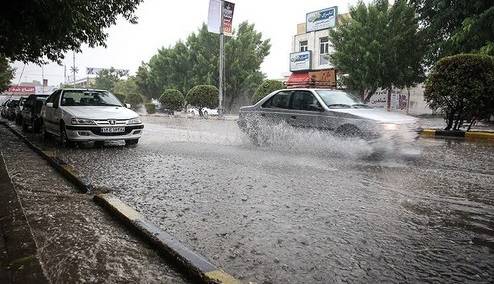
<point>162,23</point>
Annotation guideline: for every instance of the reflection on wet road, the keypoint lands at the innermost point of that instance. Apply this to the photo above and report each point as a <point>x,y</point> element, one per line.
<point>310,208</point>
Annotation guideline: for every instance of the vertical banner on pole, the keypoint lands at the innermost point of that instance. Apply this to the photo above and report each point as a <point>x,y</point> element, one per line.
<point>214,17</point>
<point>228,8</point>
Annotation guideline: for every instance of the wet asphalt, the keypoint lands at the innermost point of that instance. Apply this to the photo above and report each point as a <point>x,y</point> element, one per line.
<point>308,207</point>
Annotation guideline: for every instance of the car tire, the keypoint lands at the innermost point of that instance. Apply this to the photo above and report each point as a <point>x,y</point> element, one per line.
<point>24,126</point>
<point>63,139</point>
<point>46,135</point>
<point>131,142</point>
<point>99,144</point>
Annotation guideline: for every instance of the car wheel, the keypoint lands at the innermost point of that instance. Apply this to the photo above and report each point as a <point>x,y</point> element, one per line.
<point>64,140</point>
<point>349,131</point>
<point>99,144</point>
<point>44,133</point>
<point>24,125</point>
<point>131,142</point>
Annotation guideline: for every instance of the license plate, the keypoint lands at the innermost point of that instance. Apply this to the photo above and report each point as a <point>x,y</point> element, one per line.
<point>112,129</point>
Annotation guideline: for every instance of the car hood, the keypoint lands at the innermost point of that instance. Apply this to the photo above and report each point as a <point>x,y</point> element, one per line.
<point>101,112</point>
<point>378,115</point>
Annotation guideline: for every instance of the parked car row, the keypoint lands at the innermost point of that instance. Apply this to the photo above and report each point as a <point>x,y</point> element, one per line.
<point>76,115</point>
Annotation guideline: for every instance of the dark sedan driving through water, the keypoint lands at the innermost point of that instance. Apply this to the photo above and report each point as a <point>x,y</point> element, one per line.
<point>332,110</point>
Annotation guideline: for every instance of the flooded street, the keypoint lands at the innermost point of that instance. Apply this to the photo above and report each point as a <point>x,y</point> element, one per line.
<point>308,208</point>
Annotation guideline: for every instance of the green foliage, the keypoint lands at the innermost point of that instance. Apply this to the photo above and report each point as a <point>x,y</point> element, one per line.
<point>195,62</point>
<point>150,108</point>
<point>31,29</point>
<point>134,100</point>
<point>378,47</point>
<point>6,73</point>
<point>462,87</point>
<point>455,26</point>
<point>202,96</point>
<point>267,87</point>
<point>125,86</point>
<point>145,85</point>
<point>172,99</point>
<point>106,79</point>
<point>121,97</point>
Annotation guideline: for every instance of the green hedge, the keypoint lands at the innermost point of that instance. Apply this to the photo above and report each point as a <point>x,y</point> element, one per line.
<point>266,87</point>
<point>202,96</point>
<point>172,99</point>
<point>150,108</point>
<point>134,100</point>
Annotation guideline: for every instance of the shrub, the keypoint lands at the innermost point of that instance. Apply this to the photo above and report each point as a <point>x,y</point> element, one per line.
<point>202,96</point>
<point>172,99</point>
<point>266,87</point>
<point>121,97</point>
<point>134,100</point>
<point>462,87</point>
<point>150,108</point>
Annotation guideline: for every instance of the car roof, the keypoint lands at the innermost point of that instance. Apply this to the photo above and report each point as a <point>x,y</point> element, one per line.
<point>83,89</point>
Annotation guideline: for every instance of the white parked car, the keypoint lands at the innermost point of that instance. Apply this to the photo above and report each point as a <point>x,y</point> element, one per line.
<point>205,111</point>
<point>79,115</point>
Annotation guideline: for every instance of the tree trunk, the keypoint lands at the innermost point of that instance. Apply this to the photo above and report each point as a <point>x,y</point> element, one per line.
<point>450,120</point>
<point>388,101</point>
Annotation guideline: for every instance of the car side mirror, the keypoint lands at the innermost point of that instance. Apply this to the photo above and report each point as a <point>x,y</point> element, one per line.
<point>127,105</point>
<point>49,104</point>
<point>316,107</point>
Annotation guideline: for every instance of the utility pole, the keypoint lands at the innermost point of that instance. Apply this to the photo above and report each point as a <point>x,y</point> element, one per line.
<point>222,63</point>
<point>43,77</point>
<point>65,74</point>
<point>73,66</point>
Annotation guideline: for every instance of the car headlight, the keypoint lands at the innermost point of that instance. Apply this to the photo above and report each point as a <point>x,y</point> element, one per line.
<point>135,121</point>
<point>389,126</point>
<point>82,121</point>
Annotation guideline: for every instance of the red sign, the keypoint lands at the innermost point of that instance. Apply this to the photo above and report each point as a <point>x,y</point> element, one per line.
<point>21,89</point>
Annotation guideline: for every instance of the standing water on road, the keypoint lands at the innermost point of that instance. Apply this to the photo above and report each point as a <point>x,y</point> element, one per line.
<point>308,207</point>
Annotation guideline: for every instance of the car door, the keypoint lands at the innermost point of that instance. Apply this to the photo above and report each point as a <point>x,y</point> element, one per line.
<point>277,108</point>
<point>306,110</point>
<point>50,112</point>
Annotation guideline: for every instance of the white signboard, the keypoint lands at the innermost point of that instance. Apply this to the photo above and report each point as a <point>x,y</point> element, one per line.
<point>322,19</point>
<point>300,61</point>
<point>95,71</point>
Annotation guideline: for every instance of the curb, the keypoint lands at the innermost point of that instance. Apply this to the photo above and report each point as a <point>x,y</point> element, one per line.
<point>60,166</point>
<point>471,135</point>
<point>194,263</point>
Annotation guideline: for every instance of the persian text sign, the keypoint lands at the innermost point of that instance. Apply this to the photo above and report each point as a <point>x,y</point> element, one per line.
<point>21,89</point>
<point>322,19</point>
<point>300,61</point>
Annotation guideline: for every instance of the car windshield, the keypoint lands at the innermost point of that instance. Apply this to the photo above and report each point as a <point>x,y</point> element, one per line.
<point>89,98</point>
<point>340,99</point>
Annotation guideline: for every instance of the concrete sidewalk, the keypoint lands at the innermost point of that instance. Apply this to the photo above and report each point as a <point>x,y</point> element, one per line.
<point>19,260</point>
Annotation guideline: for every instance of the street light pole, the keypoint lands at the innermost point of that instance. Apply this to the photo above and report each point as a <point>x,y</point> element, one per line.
<point>221,61</point>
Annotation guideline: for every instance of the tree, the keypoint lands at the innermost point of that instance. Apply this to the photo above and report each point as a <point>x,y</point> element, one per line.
<point>121,97</point>
<point>462,86</point>
<point>267,87</point>
<point>202,96</point>
<point>134,100</point>
<point>455,26</point>
<point>195,62</point>
<point>378,46</point>
<point>125,87</point>
<point>6,73</point>
<point>31,30</point>
<point>145,85</point>
<point>107,78</point>
<point>172,99</point>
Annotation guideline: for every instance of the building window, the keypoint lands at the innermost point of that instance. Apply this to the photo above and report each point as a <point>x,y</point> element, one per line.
<point>323,51</point>
<point>303,46</point>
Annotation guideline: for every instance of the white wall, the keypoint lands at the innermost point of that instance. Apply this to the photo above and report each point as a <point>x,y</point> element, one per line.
<point>399,100</point>
<point>312,39</point>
